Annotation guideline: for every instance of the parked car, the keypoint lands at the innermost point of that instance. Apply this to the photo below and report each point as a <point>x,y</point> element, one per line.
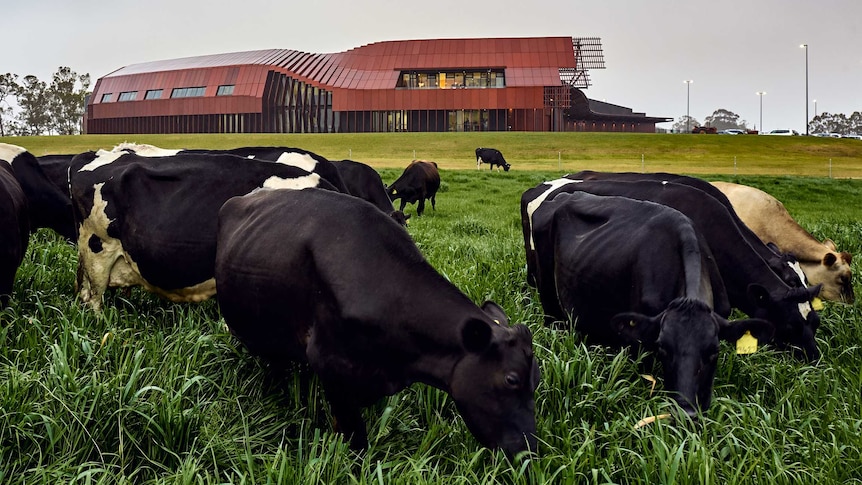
<point>782,132</point>
<point>732,131</point>
<point>854,136</point>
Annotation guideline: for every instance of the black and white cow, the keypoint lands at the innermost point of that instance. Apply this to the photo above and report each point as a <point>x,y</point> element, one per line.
<point>152,221</point>
<point>492,157</point>
<point>14,230</point>
<point>48,204</point>
<point>752,285</point>
<point>785,265</point>
<point>297,157</point>
<point>319,277</point>
<point>654,288</point>
<point>419,181</point>
<point>361,180</point>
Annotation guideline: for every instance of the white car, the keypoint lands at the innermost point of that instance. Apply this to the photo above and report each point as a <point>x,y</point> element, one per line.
<point>782,132</point>
<point>732,131</point>
<point>853,136</point>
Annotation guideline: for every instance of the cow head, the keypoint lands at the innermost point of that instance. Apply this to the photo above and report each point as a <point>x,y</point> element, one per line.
<point>795,320</point>
<point>685,337</point>
<point>833,271</point>
<point>494,382</point>
<point>400,217</point>
<point>506,167</point>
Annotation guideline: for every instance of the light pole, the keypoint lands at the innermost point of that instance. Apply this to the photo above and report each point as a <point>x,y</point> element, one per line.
<point>805,46</point>
<point>815,108</point>
<point>687,99</point>
<point>761,93</point>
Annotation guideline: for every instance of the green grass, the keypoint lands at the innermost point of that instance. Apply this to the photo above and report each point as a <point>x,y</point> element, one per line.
<point>155,392</point>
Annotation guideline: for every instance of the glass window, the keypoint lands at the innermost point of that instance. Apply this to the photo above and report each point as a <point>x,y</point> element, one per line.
<point>195,92</point>
<point>106,97</point>
<point>225,90</point>
<point>128,96</point>
<point>153,94</point>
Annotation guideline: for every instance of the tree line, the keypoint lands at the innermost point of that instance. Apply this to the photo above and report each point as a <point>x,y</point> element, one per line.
<point>33,107</point>
<point>723,119</point>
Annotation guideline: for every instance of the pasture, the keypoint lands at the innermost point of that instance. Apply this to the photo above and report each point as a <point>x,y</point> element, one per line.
<point>155,392</point>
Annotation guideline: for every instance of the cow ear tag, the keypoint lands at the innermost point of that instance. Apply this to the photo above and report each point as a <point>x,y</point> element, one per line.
<point>747,344</point>
<point>496,321</point>
<point>817,304</point>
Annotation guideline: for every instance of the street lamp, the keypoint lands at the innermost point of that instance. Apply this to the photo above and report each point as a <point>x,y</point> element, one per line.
<point>761,93</point>
<point>815,108</point>
<point>805,46</point>
<point>687,99</point>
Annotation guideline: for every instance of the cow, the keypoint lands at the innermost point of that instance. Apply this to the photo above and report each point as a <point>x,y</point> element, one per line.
<point>784,264</point>
<point>152,221</point>
<point>364,182</point>
<point>492,157</point>
<point>767,217</point>
<point>48,204</point>
<point>419,181</point>
<point>296,157</point>
<point>319,277</point>
<point>15,233</point>
<point>752,285</point>
<point>655,289</point>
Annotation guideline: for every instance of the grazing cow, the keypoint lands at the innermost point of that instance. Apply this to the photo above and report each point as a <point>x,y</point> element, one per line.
<point>152,222</point>
<point>785,265</point>
<point>419,181</point>
<point>318,277</point>
<point>48,204</point>
<point>752,286</point>
<point>15,233</point>
<point>364,182</point>
<point>492,157</point>
<point>296,157</point>
<point>767,217</point>
<point>655,288</point>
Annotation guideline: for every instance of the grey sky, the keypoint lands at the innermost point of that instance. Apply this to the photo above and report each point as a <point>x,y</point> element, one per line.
<point>730,49</point>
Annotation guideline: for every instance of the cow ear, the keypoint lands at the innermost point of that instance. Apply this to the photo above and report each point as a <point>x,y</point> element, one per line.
<point>829,259</point>
<point>830,244</point>
<point>496,313</point>
<point>476,335</point>
<point>761,329</point>
<point>758,295</point>
<point>636,327</point>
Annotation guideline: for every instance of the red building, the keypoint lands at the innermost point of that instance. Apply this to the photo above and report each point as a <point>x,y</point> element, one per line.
<point>521,84</point>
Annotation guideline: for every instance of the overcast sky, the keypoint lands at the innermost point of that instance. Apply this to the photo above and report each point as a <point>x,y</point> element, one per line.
<point>730,49</point>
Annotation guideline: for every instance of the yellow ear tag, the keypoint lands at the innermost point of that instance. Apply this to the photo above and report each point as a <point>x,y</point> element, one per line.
<point>747,344</point>
<point>817,304</point>
<point>496,321</point>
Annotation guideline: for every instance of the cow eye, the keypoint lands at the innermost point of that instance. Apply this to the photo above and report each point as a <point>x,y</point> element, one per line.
<point>512,380</point>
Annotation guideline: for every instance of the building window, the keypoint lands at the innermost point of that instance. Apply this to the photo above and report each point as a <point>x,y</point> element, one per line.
<point>487,78</point>
<point>106,97</point>
<point>188,92</point>
<point>128,96</point>
<point>225,90</point>
<point>153,94</point>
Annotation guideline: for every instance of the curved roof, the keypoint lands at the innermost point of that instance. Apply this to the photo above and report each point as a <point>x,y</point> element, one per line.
<point>528,61</point>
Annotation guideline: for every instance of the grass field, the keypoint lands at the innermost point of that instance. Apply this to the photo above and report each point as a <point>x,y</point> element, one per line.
<point>154,392</point>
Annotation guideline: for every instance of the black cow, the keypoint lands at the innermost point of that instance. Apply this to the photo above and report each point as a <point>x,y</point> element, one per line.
<point>152,221</point>
<point>655,288</point>
<point>296,157</point>
<point>364,182</point>
<point>14,230</point>
<point>319,277</point>
<point>785,265</point>
<point>752,285</point>
<point>48,205</point>
<point>419,181</point>
<point>492,157</point>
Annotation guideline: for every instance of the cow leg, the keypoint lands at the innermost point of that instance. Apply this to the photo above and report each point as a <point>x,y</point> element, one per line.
<point>434,201</point>
<point>478,163</point>
<point>403,203</point>
<point>420,205</point>
<point>347,414</point>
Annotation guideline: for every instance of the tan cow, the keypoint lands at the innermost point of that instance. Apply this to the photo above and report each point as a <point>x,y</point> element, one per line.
<point>820,261</point>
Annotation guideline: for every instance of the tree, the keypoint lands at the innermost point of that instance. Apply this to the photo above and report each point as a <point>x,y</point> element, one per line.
<point>684,125</point>
<point>66,103</point>
<point>8,88</point>
<point>836,123</point>
<point>33,98</point>
<point>723,119</point>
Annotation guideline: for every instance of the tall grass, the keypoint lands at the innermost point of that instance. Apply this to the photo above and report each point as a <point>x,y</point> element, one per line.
<point>155,392</point>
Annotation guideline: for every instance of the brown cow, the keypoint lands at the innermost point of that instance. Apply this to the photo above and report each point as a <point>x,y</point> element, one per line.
<point>820,261</point>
